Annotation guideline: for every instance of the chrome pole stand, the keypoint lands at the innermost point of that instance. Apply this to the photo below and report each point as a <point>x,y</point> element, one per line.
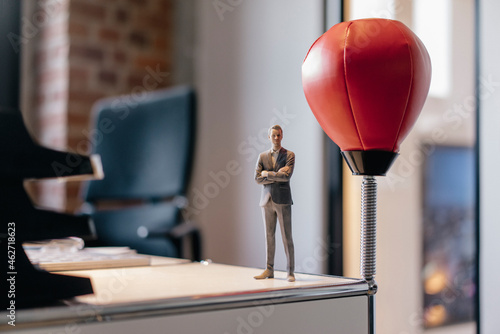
<point>369,243</point>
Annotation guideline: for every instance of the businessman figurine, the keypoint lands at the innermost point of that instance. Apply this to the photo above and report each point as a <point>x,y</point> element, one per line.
<point>274,170</point>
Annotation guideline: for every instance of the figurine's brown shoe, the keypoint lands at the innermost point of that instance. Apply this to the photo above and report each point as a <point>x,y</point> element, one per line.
<point>266,274</point>
<point>291,278</point>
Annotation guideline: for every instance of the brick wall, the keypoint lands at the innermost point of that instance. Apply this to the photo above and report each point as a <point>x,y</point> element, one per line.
<point>115,45</point>
<point>92,49</point>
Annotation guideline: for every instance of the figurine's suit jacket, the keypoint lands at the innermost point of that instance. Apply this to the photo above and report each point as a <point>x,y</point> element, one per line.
<point>276,186</point>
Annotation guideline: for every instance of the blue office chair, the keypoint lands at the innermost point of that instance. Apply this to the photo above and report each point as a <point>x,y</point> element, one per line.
<point>146,146</point>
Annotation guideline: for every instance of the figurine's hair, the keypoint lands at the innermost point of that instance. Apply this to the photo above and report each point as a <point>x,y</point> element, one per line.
<point>274,127</point>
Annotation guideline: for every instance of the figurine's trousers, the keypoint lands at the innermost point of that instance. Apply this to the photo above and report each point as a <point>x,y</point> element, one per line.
<point>283,213</point>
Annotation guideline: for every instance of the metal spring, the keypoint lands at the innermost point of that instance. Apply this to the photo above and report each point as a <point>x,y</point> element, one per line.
<point>368,227</point>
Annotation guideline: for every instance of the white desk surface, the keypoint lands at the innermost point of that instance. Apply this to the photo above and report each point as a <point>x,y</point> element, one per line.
<point>181,288</point>
<point>193,280</point>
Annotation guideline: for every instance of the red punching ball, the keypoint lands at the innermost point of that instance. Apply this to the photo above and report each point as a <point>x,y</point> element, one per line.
<point>366,82</point>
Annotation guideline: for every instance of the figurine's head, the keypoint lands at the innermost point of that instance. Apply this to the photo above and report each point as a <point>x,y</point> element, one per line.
<point>275,135</point>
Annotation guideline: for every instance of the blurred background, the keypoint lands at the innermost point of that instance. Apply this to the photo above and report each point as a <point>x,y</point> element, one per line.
<point>244,60</point>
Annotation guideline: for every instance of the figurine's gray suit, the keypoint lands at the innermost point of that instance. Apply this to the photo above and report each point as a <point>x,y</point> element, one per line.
<point>276,202</point>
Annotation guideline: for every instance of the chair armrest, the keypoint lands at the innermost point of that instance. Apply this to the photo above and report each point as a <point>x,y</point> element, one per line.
<point>178,233</point>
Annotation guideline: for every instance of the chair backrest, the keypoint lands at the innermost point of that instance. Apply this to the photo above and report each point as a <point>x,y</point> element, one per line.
<point>146,143</point>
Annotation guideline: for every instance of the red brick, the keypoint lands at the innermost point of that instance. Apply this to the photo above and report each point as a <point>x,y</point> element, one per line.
<point>73,198</point>
<point>72,188</point>
<point>107,77</point>
<point>88,10</point>
<point>76,140</point>
<point>120,56</point>
<point>78,29</point>
<point>82,83</point>
<point>134,80</point>
<point>138,38</point>
<point>142,3</point>
<point>109,35</point>
<point>154,21</point>
<point>86,52</point>
<point>78,106</point>
<point>78,74</point>
<point>142,27</point>
<point>75,131</point>
<point>161,43</point>
<point>84,96</point>
<point>137,80</point>
<point>166,6</point>
<point>121,15</point>
<point>143,62</point>
<point>77,119</point>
